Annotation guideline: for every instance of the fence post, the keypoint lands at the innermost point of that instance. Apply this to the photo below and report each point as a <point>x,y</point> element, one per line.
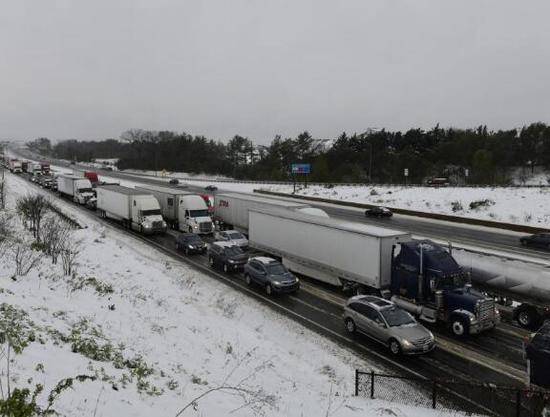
<point>356,382</point>
<point>372,384</point>
<point>434,394</point>
<point>518,403</point>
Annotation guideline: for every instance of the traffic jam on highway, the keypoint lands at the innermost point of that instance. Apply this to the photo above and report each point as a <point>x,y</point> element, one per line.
<point>394,281</point>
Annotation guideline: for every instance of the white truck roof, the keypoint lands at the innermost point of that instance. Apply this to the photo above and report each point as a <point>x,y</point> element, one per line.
<point>355,227</point>
<point>121,190</point>
<point>162,189</point>
<point>261,199</point>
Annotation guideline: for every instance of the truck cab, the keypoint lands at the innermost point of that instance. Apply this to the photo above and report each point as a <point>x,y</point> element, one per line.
<point>146,215</point>
<point>82,191</point>
<point>427,281</point>
<point>193,215</point>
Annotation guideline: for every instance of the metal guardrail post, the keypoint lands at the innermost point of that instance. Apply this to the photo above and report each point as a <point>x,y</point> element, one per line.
<point>434,394</point>
<point>372,384</point>
<point>356,382</point>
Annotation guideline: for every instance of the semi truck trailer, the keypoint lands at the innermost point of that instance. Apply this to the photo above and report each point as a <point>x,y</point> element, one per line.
<point>420,276</point>
<point>231,209</point>
<point>182,210</point>
<point>77,188</point>
<point>520,284</point>
<point>135,209</point>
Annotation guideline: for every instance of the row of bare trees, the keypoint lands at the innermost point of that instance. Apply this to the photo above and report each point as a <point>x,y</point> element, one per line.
<point>53,236</point>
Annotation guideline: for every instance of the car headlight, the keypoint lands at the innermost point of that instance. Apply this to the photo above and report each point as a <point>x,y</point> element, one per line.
<point>276,282</point>
<point>191,246</point>
<point>406,343</point>
<point>231,261</point>
<point>297,280</point>
<point>147,226</point>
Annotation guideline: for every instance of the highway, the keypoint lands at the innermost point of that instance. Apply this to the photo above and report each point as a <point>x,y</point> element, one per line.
<point>494,357</point>
<point>479,237</point>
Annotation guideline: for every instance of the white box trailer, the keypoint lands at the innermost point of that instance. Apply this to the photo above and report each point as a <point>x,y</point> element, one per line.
<point>79,189</point>
<point>15,166</point>
<point>326,249</point>
<point>185,211</point>
<point>231,209</point>
<point>136,209</point>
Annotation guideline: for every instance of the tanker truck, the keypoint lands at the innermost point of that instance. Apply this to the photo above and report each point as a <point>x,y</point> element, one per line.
<point>420,276</point>
<point>518,283</point>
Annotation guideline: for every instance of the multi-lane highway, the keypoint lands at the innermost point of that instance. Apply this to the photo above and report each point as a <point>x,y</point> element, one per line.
<point>491,357</point>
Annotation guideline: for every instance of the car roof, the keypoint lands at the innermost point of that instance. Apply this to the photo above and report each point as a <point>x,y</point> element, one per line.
<point>264,259</point>
<point>224,244</point>
<point>375,302</point>
<point>187,234</point>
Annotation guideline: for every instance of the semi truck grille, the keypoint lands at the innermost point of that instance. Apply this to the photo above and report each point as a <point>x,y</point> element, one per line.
<point>486,310</point>
<point>205,227</point>
<point>157,225</point>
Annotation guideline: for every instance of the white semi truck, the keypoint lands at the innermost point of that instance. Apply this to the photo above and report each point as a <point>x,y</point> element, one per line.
<point>77,188</point>
<point>182,210</point>
<point>137,210</point>
<point>420,276</point>
<point>231,209</point>
<point>15,166</point>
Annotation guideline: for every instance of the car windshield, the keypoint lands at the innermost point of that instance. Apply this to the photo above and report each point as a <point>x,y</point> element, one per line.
<point>193,239</point>
<point>150,212</point>
<point>198,213</point>
<point>85,190</point>
<point>235,235</point>
<point>233,251</point>
<point>276,269</point>
<point>396,317</point>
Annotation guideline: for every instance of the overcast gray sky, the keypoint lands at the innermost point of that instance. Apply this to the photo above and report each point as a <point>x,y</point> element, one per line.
<point>92,69</point>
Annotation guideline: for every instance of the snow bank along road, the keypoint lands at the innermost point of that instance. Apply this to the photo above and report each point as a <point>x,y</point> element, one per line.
<point>156,333</point>
<point>495,357</point>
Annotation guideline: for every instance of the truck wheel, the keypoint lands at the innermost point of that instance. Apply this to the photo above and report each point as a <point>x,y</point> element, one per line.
<point>350,326</point>
<point>268,289</point>
<point>527,317</point>
<point>247,279</point>
<point>395,347</point>
<point>460,327</point>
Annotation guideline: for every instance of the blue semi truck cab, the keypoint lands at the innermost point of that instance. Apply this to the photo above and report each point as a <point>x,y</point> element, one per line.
<point>428,282</point>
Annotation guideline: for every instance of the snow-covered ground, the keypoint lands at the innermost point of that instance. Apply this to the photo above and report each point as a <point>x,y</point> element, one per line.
<point>157,334</point>
<point>519,205</point>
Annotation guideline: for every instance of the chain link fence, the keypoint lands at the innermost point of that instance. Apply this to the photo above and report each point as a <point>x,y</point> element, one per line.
<point>456,398</point>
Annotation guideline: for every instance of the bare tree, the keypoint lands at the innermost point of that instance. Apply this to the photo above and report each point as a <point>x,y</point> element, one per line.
<point>6,231</point>
<point>32,209</point>
<point>24,257</point>
<point>252,397</point>
<point>69,252</point>
<point>3,188</point>
<point>56,232</point>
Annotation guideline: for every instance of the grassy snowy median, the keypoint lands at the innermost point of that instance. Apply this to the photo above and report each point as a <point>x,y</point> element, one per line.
<point>131,332</point>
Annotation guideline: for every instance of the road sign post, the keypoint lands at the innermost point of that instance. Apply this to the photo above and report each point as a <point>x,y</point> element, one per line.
<point>406,173</point>
<point>300,169</point>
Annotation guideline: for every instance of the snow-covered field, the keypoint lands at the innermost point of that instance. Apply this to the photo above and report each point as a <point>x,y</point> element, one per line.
<point>520,205</point>
<point>156,334</point>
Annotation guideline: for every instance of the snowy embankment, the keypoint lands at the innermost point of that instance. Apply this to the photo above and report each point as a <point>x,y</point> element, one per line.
<point>156,334</point>
<point>528,206</point>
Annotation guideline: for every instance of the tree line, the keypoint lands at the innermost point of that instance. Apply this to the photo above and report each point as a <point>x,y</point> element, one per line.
<point>478,155</point>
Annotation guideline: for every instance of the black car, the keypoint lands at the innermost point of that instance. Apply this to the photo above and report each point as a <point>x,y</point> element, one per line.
<point>190,243</point>
<point>229,257</point>
<point>537,352</point>
<point>378,212</point>
<point>540,240</point>
<point>173,181</point>
<point>210,188</point>
<point>271,275</point>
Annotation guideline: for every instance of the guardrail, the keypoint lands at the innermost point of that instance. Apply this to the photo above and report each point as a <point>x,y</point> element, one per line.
<point>423,214</point>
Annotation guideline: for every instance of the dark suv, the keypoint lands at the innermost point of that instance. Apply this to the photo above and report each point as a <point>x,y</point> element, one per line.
<point>541,240</point>
<point>229,257</point>
<point>270,274</point>
<point>190,243</point>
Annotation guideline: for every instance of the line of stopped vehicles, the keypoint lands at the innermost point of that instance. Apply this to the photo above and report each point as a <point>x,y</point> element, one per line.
<point>396,281</point>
